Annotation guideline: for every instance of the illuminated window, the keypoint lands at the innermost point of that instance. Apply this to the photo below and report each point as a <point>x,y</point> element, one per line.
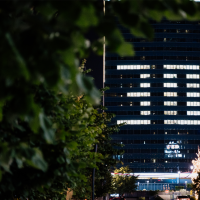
<point>193,103</point>
<point>182,122</point>
<point>170,103</point>
<point>128,67</point>
<point>144,75</point>
<point>145,112</point>
<point>170,84</point>
<point>170,112</point>
<point>192,76</point>
<point>138,94</point>
<point>170,75</point>
<point>134,122</point>
<point>170,94</point>
<point>170,121</point>
<point>193,85</point>
<point>145,103</point>
<point>193,94</point>
<point>191,67</point>
<point>193,112</point>
<point>145,85</point>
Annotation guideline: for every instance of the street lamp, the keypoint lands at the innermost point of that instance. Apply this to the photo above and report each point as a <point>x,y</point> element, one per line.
<point>147,185</point>
<point>179,181</point>
<point>191,167</point>
<point>186,185</point>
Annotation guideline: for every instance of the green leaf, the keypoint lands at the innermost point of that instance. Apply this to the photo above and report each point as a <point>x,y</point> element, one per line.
<point>87,17</point>
<point>20,60</point>
<point>37,161</point>
<point>49,133</point>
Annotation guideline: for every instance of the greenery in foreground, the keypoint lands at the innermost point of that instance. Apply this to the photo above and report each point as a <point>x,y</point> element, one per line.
<point>47,128</point>
<point>123,183</point>
<point>196,185</point>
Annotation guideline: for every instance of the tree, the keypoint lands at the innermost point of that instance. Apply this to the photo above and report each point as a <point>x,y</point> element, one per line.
<point>103,177</point>
<point>196,186</point>
<point>124,182</point>
<point>179,187</point>
<point>195,175</point>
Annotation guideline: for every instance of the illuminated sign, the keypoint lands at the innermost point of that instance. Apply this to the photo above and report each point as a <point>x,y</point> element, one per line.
<point>114,195</point>
<point>172,150</point>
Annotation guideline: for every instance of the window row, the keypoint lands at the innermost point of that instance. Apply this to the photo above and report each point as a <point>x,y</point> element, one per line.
<point>170,39</point>
<point>193,94</point>
<point>170,94</point>
<point>156,112</point>
<point>172,144</point>
<point>170,85</point>
<point>182,122</point>
<point>192,67</point>
<point>169,112</point>
<point>193,103</point>
<point>178,159</point>
<point>193,112</point>
<point>155,150</point>
<point>170,103</point>
<point>144,75</point>
<point>192,76</point>
<point>124,67</point>
<point>188,76</point>
<point>193,85</point>
<point>134,122</point>
<point>153,112</point>
<point>147,85</point>
<point>171,76</point>
<point>166,94</point>
<point>169,48</point>
<point>179,122</point>
<point>182,67</point>
<point>138,94</point>
<point>165,57</point>
<point>148,103</point>
<point>160,132</point>
<point>176,30</point>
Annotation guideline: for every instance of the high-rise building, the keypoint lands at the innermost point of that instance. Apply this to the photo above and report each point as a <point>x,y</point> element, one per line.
<point>157,94</point>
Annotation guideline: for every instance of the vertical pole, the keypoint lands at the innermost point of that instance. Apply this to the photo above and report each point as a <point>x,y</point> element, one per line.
<point>93,174</point>
<point>104,54</point>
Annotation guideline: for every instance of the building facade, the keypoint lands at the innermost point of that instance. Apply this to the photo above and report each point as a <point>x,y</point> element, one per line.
<point>157,94</point>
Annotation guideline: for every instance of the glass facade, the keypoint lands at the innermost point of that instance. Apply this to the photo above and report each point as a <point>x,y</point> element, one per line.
<point>156,93</point>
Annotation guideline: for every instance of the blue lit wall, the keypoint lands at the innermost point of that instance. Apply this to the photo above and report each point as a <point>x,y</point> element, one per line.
<point>167,138</point>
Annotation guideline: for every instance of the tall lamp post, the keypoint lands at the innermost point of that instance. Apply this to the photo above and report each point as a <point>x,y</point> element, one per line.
<point>93,174</point>
<point>138,185</point>
<point>179,181</point>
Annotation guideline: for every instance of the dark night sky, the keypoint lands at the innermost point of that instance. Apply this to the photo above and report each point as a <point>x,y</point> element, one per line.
<point>95,63</point>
